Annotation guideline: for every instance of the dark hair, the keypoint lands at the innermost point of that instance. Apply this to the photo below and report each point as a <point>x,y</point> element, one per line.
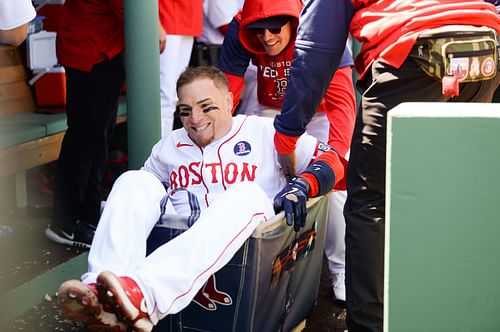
<point>192,74</point>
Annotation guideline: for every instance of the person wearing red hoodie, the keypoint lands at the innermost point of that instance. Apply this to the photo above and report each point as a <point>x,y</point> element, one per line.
<point>396,41</point>
<point>264,33</point>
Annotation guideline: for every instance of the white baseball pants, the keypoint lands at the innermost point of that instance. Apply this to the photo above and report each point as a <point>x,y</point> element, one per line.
<point>172,275</point>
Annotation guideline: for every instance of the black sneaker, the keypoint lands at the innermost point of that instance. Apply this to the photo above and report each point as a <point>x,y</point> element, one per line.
<point>81,235</point>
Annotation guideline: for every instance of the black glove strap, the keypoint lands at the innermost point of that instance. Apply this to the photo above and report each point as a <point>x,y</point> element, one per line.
<point>324,174</point>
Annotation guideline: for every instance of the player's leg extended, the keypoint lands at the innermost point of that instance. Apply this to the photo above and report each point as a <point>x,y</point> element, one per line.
<point>172,275</point>
<point>131,211</point>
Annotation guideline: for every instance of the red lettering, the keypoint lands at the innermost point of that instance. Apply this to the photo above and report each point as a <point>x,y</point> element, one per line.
<point>173,180</point>
<point>196,179</point>
<point>183,176</point>
<point>214,171</point>
<point>245,174</point>
<point>227,173</point>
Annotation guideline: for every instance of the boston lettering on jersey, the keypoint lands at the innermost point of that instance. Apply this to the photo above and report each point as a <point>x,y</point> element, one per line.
<point>196,172</point>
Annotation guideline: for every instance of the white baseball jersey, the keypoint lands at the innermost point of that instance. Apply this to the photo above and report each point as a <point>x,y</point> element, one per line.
<point>217,13</point>
<point>14,13</point>
<point>243,154</point>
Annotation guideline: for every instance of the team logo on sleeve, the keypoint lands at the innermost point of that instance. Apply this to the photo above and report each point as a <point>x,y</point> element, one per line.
<point>242,148</point>
<point>324,147</point>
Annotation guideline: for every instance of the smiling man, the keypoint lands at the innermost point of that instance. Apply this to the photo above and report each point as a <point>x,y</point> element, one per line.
<point>230,167</point>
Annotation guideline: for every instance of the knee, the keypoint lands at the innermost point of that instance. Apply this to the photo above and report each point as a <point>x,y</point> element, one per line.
<point>138,179</point>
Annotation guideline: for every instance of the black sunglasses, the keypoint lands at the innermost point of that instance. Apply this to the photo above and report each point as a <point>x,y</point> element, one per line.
<point>260,31</point>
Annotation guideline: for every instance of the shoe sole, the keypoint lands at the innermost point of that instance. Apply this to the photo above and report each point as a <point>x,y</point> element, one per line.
<point>57,238</point>
<point>112,293</point>
<point>80,304</point>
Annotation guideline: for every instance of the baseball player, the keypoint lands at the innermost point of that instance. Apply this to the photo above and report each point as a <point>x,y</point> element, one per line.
<point>264,34</point>
<point>223,161</point>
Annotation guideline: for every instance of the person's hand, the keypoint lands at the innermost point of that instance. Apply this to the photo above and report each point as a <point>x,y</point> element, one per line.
<point>292,199</point>
<point>285,147</point>
<point>287,162</point>
<point>162,39</point>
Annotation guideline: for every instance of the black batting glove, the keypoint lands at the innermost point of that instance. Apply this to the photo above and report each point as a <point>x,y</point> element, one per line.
<point>292,199</point>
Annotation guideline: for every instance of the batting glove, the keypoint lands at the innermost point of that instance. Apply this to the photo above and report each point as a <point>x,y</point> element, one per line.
<point>292,199</point>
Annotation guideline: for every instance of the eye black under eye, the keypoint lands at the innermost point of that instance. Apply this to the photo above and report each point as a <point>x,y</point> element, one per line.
<point>184,112</point>
<point>210,108</point>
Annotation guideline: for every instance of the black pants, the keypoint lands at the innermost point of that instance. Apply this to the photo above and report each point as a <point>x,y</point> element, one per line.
<point>383,88</point>
<point>92,103</point>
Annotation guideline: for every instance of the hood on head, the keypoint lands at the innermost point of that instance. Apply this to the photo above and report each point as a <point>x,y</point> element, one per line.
<point>255,10</point>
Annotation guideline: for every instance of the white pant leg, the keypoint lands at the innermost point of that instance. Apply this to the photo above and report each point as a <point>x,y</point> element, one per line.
<point>173,61</point>
<point>335,241</point>
<point>335,232</point>
<point>131,211</point>
<point>171,276</point>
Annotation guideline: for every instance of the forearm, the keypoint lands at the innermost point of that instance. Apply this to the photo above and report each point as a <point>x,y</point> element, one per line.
<point>14,36</point>
<point>326,173</point>
<point>340,105</point>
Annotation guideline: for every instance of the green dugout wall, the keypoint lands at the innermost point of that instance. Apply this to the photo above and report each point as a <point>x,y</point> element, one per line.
<point>442,253</point>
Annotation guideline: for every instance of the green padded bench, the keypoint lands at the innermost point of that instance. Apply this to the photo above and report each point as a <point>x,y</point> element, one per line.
<point>32,139</point>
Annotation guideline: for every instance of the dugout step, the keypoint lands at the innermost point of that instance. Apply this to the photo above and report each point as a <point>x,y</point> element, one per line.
<point>32,266</point>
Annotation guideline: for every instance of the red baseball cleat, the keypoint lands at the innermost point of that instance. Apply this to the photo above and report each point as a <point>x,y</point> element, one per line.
<point>79,302</point>
<point>126,298</point>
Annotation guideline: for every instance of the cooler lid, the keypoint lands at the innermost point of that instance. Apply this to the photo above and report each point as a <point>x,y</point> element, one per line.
<point>41,48</point>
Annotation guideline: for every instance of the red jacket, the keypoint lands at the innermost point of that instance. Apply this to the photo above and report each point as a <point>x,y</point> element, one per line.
<point>90,32</point>
<point>388,29</point>
<point>181,17</point>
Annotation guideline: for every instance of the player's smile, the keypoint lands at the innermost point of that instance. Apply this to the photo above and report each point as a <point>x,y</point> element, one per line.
<point>201,128</point>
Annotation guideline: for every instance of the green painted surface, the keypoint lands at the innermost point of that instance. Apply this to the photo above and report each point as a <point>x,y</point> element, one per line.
<point>143,79</point>
<point>443,223</point>
<point>15,302</point>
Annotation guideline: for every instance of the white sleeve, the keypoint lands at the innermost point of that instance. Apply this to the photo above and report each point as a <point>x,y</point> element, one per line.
<point>14,13</point>
<point>305,152</point>
<point>221,12</point>
<point>155,165</point>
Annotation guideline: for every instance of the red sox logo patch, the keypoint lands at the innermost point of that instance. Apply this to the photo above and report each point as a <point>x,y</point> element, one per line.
<point>209,296</point>
<point>242,148</point>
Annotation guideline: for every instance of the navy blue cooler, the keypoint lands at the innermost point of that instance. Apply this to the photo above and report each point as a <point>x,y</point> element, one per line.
<point>270,284</point>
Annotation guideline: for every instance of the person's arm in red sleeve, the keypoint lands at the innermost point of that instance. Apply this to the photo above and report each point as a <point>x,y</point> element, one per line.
<point>340,105</point>
<point>234,61</point>
<point>236,85</point>
<point>326,173</point>
<point>319,178</point>
<point>319,47</point>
